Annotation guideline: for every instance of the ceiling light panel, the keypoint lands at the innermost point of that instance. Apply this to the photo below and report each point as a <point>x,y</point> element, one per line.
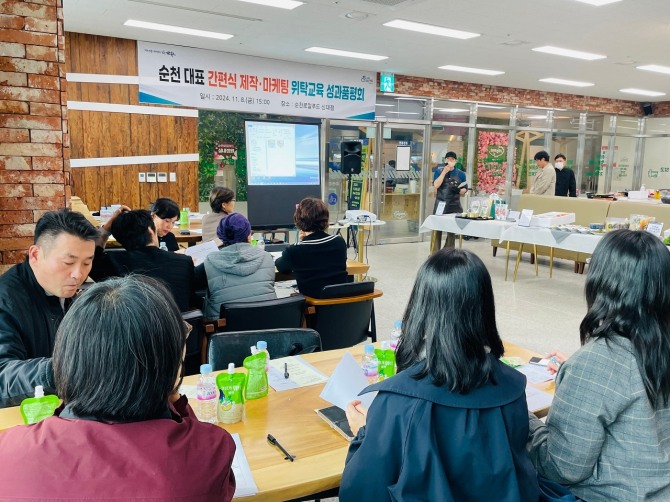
<point>346,54</point>
<point>281,4</point>
<point>642,92</point>
<point>465,69</point>
<point>561,81</point>
<point>655,67</point>
<point>177,29</point>
<point>430,29</point>
<point>558,51</point>
<point>598,3</point>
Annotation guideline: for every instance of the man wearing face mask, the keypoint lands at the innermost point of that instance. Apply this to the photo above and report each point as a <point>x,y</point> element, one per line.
<point>565,178</point>
<point>450,185</point>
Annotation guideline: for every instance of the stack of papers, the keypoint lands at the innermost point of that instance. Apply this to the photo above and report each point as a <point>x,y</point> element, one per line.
<point>245,486</point>
<point>300,373</point>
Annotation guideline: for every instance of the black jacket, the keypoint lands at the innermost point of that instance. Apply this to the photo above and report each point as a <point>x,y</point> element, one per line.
<point>566,184</point>
<point>318,260</point>
<point>175,270</point>
<point>423,442</point>
<point>29,320</point>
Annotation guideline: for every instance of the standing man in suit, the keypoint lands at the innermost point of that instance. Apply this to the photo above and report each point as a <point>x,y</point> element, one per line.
<point>545,179</point>
<point>565,178</point>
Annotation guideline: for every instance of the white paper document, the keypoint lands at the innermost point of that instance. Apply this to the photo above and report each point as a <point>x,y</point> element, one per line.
<point>537,400</point>
<point>300,373</point>
<point>245,486</point>
<point>536,373</point>
<point>200,251</point>
<point>346,382</point>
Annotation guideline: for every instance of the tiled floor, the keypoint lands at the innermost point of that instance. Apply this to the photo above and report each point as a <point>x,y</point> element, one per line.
<point>537,312</point>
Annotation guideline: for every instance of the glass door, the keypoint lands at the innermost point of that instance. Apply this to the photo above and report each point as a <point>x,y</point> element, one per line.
<point>403,170</point>
<point>343,191</point>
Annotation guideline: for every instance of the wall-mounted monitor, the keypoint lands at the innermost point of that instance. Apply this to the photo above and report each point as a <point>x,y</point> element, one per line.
<point>283,167</point>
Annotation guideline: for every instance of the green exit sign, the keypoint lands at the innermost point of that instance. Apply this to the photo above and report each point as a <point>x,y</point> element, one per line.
<point>387,82</point>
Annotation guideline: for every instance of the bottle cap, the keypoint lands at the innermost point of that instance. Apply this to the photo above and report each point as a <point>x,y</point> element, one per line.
<point>262,345</point>
<point>253,350</point>
<point>231,368</point>
<point>369,348</point>
<point>39,391</point>
<point>205,368</point>
<point>397,324</point>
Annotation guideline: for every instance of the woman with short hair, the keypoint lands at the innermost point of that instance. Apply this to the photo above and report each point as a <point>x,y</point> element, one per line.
<point>165,213</point>
<point>222,202</point>
<point>452,424</point>
<point>319,259</point>
<point>123,431</point>
<point>607,435</point>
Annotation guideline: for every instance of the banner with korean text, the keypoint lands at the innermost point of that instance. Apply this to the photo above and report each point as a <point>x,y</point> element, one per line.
<point>184,76</point>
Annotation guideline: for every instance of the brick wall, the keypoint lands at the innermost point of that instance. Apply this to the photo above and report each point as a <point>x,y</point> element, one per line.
<point>34,144</point>
<point>449,89</point>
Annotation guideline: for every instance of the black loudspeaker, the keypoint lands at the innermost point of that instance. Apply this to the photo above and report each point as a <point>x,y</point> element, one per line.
<point>647,108</point>
<point>351,157</point>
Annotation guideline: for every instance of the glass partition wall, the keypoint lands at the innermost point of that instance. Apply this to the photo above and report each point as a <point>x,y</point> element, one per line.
<point>495,145</point>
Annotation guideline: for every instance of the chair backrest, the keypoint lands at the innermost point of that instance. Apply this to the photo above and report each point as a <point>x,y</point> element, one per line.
<point>269,314</point>
<point>344,324</point>
<point>194,343</point>
<point>273,248</point>
<point>233,347</point>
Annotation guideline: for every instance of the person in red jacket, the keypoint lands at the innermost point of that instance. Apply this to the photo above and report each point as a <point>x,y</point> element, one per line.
<point>123,431</point>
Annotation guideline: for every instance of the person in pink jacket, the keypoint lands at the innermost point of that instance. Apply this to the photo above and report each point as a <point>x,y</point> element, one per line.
<point>123,431</point>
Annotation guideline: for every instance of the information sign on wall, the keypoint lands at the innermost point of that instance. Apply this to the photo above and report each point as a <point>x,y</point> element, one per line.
<point>200,78</point>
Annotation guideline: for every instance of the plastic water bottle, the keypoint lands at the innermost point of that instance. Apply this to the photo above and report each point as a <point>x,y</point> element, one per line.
<point>163,246</point>
<point>262,346</point>
<point>261,244</point>
<point>395,335</point>
<point>370,364</point>
<point>207,395</point>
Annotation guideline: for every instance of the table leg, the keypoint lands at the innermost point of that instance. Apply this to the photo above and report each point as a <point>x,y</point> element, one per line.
<point>518,260</point>
<point>460,241</point>
<point>507,262</point>
<point>551,262</point>
<point>535,253</point>
<point>361,244</point>
<point>435,241</point>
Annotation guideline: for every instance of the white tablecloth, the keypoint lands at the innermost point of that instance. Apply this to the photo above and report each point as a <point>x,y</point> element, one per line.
<point>512,232</point>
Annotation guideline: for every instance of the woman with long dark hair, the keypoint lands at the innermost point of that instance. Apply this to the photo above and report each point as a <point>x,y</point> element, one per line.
<point>607,435</point>
<point>452,424</point>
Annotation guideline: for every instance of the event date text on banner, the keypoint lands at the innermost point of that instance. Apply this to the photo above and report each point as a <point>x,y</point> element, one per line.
<point>184,76</point>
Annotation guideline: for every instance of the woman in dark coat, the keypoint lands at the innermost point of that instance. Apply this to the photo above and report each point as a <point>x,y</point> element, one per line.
<point>452,424</point>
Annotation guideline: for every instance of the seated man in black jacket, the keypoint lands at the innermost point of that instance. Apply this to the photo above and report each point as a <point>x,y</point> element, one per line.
<point>34,296</point>
<point>136,232</point>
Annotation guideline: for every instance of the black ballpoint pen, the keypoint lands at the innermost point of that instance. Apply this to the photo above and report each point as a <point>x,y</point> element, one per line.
<point>285,370</point>
<point>274,442</point>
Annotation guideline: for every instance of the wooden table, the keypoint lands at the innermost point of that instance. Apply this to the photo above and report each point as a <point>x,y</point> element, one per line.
<point>289,416</point>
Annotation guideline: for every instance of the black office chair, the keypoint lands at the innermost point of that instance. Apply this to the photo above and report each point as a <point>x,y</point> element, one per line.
<point>233,347</point>
<point>194,343</point>
<point>273,248</point>
<point>269,314</point>
<point>344,315</point>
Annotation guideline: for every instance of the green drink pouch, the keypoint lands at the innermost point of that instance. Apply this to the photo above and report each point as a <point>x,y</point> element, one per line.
<point>230,409</point>
<point>257,379</point>
<point>35,409</point>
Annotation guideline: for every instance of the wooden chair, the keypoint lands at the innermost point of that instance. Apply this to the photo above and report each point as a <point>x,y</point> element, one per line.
<point>245,316</point>
<point>344,315</point>
<point>233,347</point>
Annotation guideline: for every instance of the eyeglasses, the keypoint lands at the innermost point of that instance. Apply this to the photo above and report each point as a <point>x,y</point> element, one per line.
<point>188,329</point>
